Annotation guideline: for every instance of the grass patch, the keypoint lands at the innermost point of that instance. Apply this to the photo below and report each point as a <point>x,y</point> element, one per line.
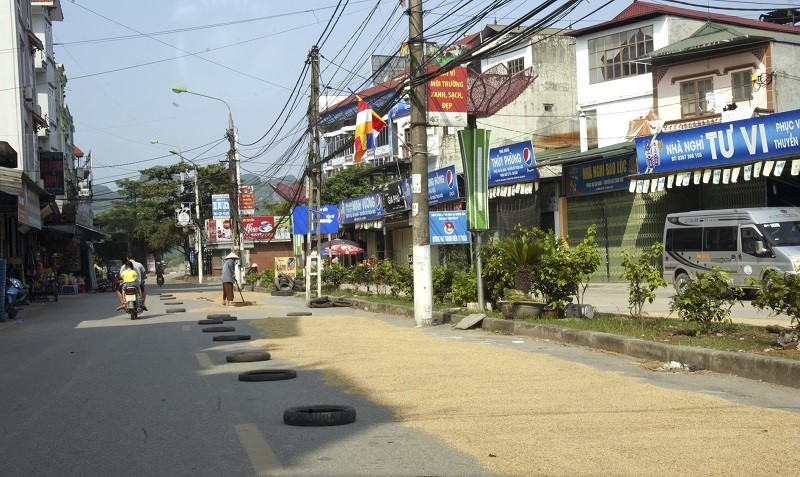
<point>734,337</point>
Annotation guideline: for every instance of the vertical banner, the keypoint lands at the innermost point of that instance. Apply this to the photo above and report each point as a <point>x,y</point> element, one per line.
<point>51,170</point>
<point>246,200</point>
<point>475,154</point>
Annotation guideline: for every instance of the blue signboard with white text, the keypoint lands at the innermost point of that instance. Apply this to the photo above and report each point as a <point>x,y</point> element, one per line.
<point>449,228</point>
<point>593,177</point>
<point>220,206</point>
<point>442,185</point>
<point>721,145</point>
<point>512,163</point>
<point>361,209</point>
<point>328,220</point>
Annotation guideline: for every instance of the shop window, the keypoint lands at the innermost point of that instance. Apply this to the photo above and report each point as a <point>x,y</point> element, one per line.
<point>741,87</point>
<point>693,96</point>
<point>615,56</point>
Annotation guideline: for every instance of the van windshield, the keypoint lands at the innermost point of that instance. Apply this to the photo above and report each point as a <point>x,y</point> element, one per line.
<point>781,233</point>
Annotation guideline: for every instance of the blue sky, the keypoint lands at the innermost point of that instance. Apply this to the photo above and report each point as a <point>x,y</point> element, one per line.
<point>122,59</point>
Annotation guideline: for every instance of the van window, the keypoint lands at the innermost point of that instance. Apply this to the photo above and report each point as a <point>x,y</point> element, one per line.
<point>690,239</point>
<point>749,237</point>
<point>781,233</point>
<point>719,239</point>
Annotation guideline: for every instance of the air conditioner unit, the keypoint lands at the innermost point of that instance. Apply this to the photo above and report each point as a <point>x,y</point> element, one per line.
<point>43,132</point>
<point>39,110</point>
<point>85,192</point>
<point>27,93</point>
<point>40,60</point>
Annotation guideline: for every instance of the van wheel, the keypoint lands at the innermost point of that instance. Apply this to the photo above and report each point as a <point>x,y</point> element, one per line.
<point>681,280</point>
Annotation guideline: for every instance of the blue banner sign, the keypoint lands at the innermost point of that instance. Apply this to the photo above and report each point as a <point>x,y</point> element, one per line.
<point>593,177</point>
<point>328,221</point>
<point>442,185</point>
<point>721,145</point>
<point>449,228</point>
<point>512,163</point>
<point>361,209</point>
<point>220,206</point>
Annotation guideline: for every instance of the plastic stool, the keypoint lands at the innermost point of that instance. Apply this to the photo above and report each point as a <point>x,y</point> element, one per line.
<point>69,289</point>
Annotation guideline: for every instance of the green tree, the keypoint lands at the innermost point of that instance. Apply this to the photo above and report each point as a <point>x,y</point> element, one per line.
<point>584,260</point>
<point>706,300</point>
<point>144,221</point>
<point>643,277</point>
<point>522,251</point>
<point>780,292</point>
<point>345,184</point>
<point>276,207</point>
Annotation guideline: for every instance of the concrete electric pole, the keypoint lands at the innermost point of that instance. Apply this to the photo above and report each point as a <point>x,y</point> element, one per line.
<point>313,173</point>
<point>423,281</point>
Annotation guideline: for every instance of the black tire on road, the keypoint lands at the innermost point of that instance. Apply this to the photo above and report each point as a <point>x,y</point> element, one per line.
<point>218,329</point>
<point>134,313</point>
<point>229,318</point>
<point>247,357</point>
<point>299,313</point>
<point>342,303</point>
<point>285,283</point>
<point>232,338</point>
<point>210,322</point>
<point>321,299</point>
<point>282,293</point>
<point>320,415</point>
<point>176,310</point>
<point>327,304</point>
<point>267,375</point>
<point>173,303</point>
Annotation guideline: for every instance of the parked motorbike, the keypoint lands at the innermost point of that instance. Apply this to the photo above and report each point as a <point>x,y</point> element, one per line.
<point>133,299</point>
<point>16,293</point>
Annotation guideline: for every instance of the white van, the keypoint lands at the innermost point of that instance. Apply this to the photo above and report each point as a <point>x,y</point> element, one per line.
<point>740,241</point>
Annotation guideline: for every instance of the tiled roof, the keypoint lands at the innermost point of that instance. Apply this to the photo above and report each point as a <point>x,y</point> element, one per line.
<point>638,11</point>
<point>713,33</point>
<point>77,151</point>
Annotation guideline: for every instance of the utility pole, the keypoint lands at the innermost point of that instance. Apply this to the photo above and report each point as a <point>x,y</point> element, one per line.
<point>421,239</point>
<point>233,192</point>
<point>314,173</point>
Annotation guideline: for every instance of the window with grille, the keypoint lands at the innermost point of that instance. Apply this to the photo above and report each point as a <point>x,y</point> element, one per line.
<point>615,56</point>
<point>516,65</point>
<point>741,88</point>
<point>693,96</point>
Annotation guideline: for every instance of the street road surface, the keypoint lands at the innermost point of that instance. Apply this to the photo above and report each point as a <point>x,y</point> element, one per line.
<point>88,392</point>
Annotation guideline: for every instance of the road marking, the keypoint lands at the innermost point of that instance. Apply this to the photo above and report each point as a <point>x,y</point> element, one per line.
<point>187,328</point>
<point>204,360</point>
<point>263,460</point>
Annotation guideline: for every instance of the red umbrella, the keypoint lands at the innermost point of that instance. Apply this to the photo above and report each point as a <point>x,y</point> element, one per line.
<point>340,247</point>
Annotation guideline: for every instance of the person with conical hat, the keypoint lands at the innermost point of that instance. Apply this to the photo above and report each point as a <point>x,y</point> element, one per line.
<point>228,277</point>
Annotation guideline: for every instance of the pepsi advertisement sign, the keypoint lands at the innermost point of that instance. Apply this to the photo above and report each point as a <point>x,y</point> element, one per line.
<point>361,209</point>
<point>512,163</point>
<point>442,185</point>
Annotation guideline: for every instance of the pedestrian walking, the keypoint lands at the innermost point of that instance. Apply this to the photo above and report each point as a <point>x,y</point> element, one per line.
<point>228,278</point>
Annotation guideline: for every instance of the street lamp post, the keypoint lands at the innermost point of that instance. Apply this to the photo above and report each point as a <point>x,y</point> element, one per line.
<point>233,180</point>
<point>198,225</point>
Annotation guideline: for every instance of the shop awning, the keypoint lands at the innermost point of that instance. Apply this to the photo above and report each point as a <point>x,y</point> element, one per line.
<point>82,231</point>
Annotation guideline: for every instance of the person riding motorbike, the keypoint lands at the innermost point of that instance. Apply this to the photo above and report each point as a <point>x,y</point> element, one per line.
<point>142,274</point>
<point>160,267</point>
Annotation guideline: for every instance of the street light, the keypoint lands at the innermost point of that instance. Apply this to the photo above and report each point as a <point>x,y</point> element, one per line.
<point>233,180</point>
<point>198,227</point>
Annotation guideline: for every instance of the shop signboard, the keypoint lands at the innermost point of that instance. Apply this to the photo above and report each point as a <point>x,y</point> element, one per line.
<point>328,220</point>
<point>721,145</point>
<point>246,200</point>
<point>218,230</point>
<point>394,197</point>
<point>361,209</point>
<point>51,170</point>
<point>593,177</point>
<point>511,164</point>
<point>270,228</point>
<point>449,228</point>
<point>220,206</point>
<point>442,185</point>
<point>285,266</point>
<point>28,210</point>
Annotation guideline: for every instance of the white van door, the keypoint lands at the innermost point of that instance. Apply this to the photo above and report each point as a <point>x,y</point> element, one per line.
<point>751,262</point>
<point>720,249</point>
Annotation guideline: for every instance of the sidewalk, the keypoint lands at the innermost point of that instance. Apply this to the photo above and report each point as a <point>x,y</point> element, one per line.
<point>613,298</point>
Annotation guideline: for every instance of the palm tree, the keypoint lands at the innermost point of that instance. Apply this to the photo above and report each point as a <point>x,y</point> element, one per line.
<point>522,253</point>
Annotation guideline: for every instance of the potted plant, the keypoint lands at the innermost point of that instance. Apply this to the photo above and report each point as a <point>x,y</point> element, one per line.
<point>522,253</point>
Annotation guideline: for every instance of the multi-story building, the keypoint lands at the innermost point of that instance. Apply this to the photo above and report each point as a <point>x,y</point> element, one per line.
<point>657,70</point>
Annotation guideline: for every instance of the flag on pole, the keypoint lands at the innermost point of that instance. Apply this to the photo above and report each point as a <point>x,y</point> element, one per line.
<point>368,125</point>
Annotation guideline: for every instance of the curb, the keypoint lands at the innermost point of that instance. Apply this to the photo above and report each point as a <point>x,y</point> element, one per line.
<point>784,372</point>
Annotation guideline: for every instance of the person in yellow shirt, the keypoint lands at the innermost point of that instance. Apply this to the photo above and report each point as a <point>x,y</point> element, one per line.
<point>127,274</point>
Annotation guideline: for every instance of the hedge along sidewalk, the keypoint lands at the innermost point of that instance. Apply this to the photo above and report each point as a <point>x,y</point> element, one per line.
<point>784,372</point>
